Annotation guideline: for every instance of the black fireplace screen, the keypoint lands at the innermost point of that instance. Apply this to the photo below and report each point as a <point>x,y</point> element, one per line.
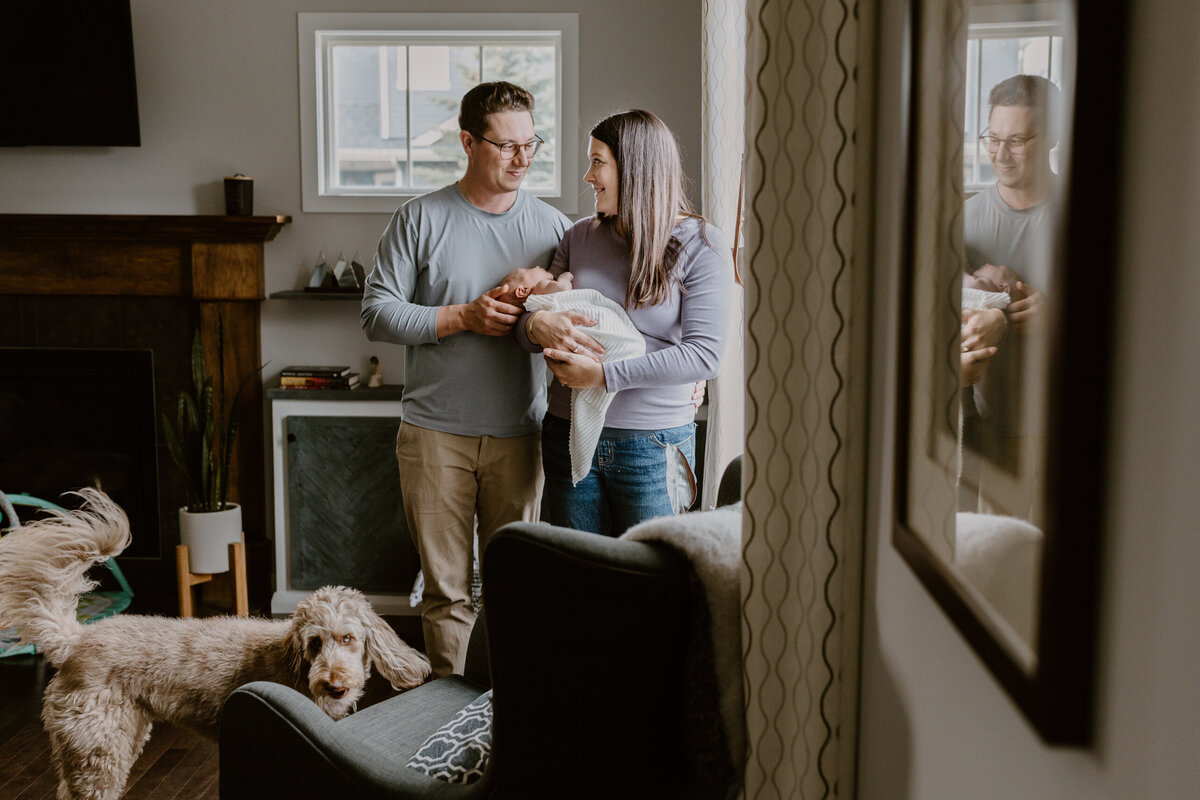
<point>82,417</point>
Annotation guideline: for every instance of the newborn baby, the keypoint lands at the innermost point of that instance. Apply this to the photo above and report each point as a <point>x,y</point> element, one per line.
<point>535,289</point>
<point>993,279</point>
<point>525,281</point>
<point>983,320</point>
<point>990,287</point>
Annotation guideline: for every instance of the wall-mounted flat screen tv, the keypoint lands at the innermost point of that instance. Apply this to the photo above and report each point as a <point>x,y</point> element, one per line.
<point>67,76</point>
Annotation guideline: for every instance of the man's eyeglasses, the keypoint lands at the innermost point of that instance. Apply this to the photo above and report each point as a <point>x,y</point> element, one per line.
<point>508,150</point>
<point>1016,144</point>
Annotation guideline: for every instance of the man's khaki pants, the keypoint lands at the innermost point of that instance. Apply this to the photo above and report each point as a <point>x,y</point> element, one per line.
<point>447,480</point>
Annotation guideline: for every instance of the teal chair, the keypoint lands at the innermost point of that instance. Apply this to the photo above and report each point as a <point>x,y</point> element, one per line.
<point>92,606</point>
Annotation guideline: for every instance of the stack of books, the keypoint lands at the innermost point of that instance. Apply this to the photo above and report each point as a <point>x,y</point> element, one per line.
<point>313,377</point>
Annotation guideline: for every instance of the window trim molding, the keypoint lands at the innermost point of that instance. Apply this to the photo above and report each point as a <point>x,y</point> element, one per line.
<point>431,25</point>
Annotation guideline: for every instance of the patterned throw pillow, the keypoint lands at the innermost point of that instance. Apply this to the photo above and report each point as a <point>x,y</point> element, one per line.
<point>458,751</point>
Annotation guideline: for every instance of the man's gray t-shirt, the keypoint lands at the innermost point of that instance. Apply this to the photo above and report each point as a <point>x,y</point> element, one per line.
<point>996,233</point>
<point>1023,240</point>
<point>438,250</point>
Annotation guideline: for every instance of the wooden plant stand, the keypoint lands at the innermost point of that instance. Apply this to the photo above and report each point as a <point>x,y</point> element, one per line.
<point>188,579</point>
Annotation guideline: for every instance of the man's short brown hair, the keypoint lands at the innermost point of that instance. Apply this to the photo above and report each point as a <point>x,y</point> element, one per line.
<point>490,98</point>
<point>1031,91</point>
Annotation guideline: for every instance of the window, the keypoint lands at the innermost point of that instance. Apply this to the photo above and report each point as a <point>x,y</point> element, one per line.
<point>996,52</point>
<point>380,95</point>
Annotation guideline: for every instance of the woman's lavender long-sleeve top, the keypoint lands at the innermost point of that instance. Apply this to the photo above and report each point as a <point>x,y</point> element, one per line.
<point>685,335</point>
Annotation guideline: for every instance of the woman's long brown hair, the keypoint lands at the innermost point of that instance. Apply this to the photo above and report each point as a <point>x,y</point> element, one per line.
<point>650,199</point>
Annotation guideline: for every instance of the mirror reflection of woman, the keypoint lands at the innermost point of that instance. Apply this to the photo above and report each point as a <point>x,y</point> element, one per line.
<point>670,270</point>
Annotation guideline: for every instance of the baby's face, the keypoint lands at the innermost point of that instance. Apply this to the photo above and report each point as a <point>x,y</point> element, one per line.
<point>973,281</point>
<point>532,280</point>
<point>999,279</point>
<point>551,285</point>
<point>527,278</point>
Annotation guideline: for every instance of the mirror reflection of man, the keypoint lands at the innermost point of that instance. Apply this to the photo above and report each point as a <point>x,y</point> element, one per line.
<point>1010,224</point>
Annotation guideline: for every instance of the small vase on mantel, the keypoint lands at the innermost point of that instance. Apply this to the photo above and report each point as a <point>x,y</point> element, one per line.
<point>208,535</point>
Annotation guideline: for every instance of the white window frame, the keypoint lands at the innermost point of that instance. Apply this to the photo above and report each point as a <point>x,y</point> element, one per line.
<point>317,30</point>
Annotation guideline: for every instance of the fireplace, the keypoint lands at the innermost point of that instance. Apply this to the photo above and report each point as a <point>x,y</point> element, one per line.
<point>71,418</point>
<point>97,315</point>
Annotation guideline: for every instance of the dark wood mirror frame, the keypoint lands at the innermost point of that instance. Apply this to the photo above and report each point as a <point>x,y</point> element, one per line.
<point>1056,693</point>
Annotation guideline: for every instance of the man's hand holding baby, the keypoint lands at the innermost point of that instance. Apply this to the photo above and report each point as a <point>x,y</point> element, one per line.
<point>1027,313</point>
<point>487,315</point>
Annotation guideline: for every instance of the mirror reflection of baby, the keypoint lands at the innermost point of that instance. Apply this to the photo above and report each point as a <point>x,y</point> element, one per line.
<point>993,279</point>
<point>986,292</point>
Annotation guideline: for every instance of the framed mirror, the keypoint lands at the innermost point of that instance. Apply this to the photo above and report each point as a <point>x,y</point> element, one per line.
<point>1011,198</point>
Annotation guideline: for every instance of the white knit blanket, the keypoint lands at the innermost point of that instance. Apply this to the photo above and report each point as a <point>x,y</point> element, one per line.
<point>620,339</point>
<point>979,300</point>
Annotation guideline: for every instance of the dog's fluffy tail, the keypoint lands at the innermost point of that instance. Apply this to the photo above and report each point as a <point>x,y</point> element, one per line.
<point>43,570</point>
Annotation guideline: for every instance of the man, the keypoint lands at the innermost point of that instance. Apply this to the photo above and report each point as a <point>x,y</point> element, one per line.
<point>473,399</point>
<point>1011,224</point>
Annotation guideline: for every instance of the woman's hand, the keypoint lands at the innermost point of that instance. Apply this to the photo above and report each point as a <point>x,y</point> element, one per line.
<point>975,364</point>
<point>558,330</point>
<point>982,328</point>
<point>575,370</point>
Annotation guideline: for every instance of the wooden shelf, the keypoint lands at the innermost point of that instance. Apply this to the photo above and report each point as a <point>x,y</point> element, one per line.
<point>389,391</point>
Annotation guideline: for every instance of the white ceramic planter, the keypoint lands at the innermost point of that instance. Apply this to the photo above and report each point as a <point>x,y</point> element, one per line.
<point>208,536</point>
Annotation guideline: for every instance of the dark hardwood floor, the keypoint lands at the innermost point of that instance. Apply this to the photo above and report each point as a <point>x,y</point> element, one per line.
<point>177,763</point>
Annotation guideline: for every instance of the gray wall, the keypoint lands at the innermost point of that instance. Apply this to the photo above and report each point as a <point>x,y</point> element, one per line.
<point>935,725</point>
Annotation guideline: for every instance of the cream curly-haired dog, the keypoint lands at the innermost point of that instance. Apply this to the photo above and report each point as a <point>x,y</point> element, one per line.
<point>118,676</point>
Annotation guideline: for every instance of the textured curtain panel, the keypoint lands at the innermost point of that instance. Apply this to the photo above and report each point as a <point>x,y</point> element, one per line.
<point>805,426</point>
<point>724,140</point>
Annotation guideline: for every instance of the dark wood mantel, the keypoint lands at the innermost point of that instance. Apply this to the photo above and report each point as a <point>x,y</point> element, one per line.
<point>205,257</point>
<point>144,226</point>
<point>214,261</point>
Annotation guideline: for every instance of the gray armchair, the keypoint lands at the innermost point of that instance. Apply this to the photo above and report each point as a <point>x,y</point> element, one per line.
<point>583,645</point>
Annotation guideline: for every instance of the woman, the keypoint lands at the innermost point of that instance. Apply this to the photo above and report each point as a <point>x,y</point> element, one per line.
<point>670,271</point>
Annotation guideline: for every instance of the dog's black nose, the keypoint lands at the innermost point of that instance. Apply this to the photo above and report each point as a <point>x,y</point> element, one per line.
<point>336,692</point>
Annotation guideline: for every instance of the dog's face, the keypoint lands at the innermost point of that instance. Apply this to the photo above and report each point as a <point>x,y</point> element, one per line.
<point>336,635</point>
<point>328,632</point>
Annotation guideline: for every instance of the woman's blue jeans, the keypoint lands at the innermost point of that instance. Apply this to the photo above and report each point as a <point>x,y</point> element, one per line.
<point>627,482</point>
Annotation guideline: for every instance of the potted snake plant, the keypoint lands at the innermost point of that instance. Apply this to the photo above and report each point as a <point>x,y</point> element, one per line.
<point>200,441</point>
